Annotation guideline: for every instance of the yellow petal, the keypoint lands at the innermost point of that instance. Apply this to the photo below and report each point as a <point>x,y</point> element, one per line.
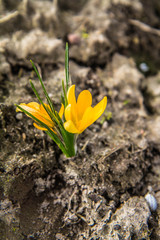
<point>61,111</point>
<point>40,128</point>
<point>99,108</point>
<point>83,102</point>
<point>33,105</point>
<point>70,127</point>
<point>44,119</point>
<point>87,119</point>
<point>92,114</point>
<point>38,114</point>
<point>71,96</point>
<point>68,112</point>
<point>72,100</point>
<point>42,109</point>
<point>27,108</point>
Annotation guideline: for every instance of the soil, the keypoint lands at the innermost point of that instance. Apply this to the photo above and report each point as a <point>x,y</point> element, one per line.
<point>100,194</point>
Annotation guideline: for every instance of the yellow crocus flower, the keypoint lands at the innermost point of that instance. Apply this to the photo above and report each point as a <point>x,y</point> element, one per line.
<point>38,111</point>
<point>80,114</point>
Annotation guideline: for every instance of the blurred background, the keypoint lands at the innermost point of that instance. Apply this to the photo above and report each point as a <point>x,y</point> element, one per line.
<point>114,48</point>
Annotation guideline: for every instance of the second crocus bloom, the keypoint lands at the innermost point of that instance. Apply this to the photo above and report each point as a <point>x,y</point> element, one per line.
<point>38,111</point>
<point>80,114</point>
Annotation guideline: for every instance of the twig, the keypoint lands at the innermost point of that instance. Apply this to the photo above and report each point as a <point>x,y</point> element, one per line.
<point>144,27</point>
<point>9,17</point>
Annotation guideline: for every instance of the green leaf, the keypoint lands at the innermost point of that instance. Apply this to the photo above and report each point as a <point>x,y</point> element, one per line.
<point>51,114</point>
<point>58,144</point>
<point>43,87</point>
<point>62,100</point>
<point>67,66</point>
<point>64,93</point>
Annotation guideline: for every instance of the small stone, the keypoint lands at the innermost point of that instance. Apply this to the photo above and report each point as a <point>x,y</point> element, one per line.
<point>74,38</point>
<point>59,236</point>
<point>19,116</point>
<point>151,200</point>
<point>105,125</point>
<point>50,95</point>
<point>144,67</point>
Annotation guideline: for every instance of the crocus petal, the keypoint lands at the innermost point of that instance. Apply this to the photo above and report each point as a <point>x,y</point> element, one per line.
<point>28,109</point>
<point>70,127</point>
<point>44,119</point>
<point>99,108</point>
<point>38,114</point>
<point>87,119</point>
<point>71,114</point>
<point>68,112</point>
<point>40,128</point>
<point>72,100</point>
<point>80,115</point>
<point>43,111</point>
<point>83,102</point>
<point>21,105</point>
<point>61,111</point>
<point>71,95</point>
<point>33,105</point>
<point>92,114</point>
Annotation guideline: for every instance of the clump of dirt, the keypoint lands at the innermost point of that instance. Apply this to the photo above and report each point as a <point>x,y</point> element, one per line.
<point>99,193</point>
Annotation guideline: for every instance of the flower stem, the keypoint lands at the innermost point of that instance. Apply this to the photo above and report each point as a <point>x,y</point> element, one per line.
<point>71,145</point>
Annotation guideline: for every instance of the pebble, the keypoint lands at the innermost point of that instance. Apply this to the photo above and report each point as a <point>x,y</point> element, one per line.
<point>50,95</point>
<point>19,116</point>
<point>144,67</point>
<point>105,125</point>
<point>151,200</point>
<point>74,38</point>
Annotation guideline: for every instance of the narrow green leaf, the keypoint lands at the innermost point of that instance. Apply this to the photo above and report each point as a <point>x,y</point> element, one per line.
<point>61,146</point>
<point>57,121</point>
<point>67,66</point>
<point>62,100</point>
<point>51,114</point>
<point>64,93</point>
<point>43,87</point>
